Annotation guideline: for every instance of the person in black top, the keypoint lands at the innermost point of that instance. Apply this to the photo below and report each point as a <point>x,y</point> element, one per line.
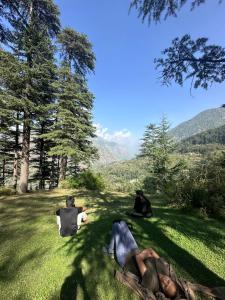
<point>70,218</point>
<point>142,206</point>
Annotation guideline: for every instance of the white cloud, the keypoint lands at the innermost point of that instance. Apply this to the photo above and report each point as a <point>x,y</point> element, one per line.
<point>121,136</point>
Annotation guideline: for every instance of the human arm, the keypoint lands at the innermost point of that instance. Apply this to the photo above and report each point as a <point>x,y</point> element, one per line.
<point>142,256</point>
<point>81,209</point>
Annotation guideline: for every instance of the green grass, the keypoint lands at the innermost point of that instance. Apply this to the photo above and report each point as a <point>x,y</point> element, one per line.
<point>36,263</point>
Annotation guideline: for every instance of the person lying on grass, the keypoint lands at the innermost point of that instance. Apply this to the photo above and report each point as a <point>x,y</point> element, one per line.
<point>69,219</point>
<point>154,277</point>
<point>142,206</point>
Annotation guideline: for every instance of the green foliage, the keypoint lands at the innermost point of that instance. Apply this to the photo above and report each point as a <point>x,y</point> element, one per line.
<point>198,60</point>
<point>154,10</point>
<point>204,149</point>
<point>50,101</point>
<point>7,191</point>
<point>202,186</point>
<point>204,142</point>
<point>77,50</point>
<point>185,58</point>
<point>126,176</point>
<point>156,147</point>
<point>72,129</point>
<point>86,179</point>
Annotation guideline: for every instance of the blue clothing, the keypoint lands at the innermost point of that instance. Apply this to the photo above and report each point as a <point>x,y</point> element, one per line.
<point>122,242</point>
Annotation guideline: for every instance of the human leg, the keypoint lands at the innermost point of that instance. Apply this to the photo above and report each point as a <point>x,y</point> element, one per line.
<point>122,242</point>
<point>136,214</point>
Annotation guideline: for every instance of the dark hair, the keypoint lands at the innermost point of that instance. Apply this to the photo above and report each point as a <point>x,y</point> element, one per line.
<point>70,201</point>
<point>139,192</point>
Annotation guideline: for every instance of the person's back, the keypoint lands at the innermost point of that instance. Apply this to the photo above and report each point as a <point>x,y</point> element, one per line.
<point>68,219</point>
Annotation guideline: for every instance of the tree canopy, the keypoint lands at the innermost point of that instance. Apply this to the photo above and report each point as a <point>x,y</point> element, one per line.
<point>186,58</point>
<point>45,102</point>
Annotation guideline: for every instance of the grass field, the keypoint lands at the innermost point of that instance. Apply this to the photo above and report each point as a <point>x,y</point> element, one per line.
<point>36,263</point>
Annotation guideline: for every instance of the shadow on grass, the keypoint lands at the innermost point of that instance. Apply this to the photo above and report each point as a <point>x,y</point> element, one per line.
<point>9,267</point>
<point>87,245</point>
<point>184,261</point>
<point>92,276</point>
<point>208,231</point>
<point>19,222</point>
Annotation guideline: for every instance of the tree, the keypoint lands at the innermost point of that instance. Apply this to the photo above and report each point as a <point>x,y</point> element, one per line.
<point>46,107</point>
<point>156,147</point>
<point>72,130</point>
<point>31,25</point>
<point>185,58</point>
<point>10,102</point>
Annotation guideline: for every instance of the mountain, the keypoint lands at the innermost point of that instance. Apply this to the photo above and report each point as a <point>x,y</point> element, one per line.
<point>204,142</point>
<point>110,152</point>
<point>211,136</point>
<point>208,119</point>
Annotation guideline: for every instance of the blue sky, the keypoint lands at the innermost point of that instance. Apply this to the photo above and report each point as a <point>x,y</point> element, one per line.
<point>127,92</point>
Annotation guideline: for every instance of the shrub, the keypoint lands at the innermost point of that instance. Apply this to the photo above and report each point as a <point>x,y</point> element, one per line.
<point>204,185</point>
<point>91,181</point>
<point>7,191</point>
<point>86,179</point>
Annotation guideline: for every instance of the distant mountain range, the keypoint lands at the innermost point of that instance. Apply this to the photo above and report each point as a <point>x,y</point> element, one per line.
<point>110,152</point>
<point>205,121</point>
<point>208,119</point>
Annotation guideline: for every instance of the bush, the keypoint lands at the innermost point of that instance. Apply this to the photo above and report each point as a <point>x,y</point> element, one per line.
<point>204,185</point>
<point>86,179</point>
<point>7,191</point>
<point>91,181</point>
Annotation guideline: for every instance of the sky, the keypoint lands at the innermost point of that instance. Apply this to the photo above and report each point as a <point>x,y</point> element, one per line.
<point>128,93</point>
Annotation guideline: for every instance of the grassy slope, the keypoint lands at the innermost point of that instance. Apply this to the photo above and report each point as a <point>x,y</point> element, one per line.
<point>35,263</point>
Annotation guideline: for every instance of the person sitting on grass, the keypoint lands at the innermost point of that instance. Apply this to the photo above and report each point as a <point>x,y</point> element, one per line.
<point>142,206</point>
<point>146,273</point>
<point>69,219</point>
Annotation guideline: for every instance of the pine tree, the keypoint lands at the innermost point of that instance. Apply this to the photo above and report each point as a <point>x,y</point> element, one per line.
<point>73,129</point>
<point>32,24</point>
<point>185,58</point>
<point>11,81</point>
<point>156,147</point>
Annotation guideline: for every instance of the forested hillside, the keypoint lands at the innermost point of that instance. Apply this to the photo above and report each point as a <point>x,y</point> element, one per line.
<point>124,176</point>
<point>204,142</point>
<point>208,119</point>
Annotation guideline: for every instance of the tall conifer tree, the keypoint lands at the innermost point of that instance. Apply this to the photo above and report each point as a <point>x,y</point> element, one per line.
<point>156,147</point>
<point>32,24</point>
<point>73,125</point>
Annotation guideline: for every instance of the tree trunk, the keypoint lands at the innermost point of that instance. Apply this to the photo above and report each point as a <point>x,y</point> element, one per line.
<point>63,167</point>
<point>3,171</point>
<point>24,174</point>
<point>41,161</point>
<point>58,169</point>
<point>53,173</point>
<point>16,155</point>
<point>15,170</point>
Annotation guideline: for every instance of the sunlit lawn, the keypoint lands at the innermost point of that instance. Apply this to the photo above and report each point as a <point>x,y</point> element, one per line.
<point>36,263</point>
